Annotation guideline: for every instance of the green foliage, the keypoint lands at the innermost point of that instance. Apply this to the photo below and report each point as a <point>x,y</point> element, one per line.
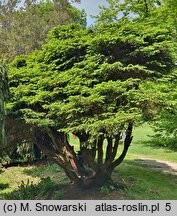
<point>165,124</point>
<point>78,16</point>
<point>159,13</point>
<point>91,80</point>
<point>3,83</point>
<point>107,189</point>
<point>95,83</point>
<point>38,181</point>
<point>128,9</point>
<point>24,25</point>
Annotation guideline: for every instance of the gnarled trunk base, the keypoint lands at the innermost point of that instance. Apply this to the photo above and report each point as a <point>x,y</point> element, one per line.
<point>91,165</point>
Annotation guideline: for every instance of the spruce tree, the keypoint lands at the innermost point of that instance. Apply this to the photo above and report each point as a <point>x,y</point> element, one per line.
<point>96,83</point>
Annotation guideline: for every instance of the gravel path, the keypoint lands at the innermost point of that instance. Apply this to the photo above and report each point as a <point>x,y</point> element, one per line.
<point>158,165</point>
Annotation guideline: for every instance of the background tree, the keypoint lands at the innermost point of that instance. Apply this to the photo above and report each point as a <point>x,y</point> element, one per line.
<point>159,11</point>
<point>165,123</point>
<point>24,24</point>
<point>131,9</point>
<point>3,97</point>
<point>95,83</point>
<point>24,27</point>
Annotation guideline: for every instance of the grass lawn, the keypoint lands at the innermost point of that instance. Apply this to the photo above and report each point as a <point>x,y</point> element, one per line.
<point>145,184</point>
<point>142,145</point>
<point>48,181</point>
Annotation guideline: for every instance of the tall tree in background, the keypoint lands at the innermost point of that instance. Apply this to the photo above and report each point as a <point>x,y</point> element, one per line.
<point>24,24</point>
<point>3,97</point>
<point>131,9</point>
<point>165,125</point>
<point>160,11</point>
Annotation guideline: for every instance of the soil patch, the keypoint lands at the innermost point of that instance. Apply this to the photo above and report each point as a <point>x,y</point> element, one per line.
<point>72,192</point>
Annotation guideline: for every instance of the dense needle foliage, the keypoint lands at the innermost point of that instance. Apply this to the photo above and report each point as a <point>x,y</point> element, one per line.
<point>96,83</point>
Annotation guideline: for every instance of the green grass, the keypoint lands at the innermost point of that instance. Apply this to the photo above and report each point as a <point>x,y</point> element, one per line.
<point>143,146</point>
<point>48,181</point>
<point>145,184</point>
<point>139,183</point>
<point>12,178</point>
<point>33,182</point>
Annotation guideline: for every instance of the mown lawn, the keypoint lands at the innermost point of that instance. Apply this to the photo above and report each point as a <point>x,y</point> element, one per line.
<point>142,145</point>
<point>47,181</point>
<point>146,184</point>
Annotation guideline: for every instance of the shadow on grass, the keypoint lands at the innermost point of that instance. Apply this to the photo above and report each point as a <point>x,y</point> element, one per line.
<point>144,183</point>
<point>3,186</point>
<point>156,143</point>
<point>141,183</point>
<point>153,165</point>
<point>42,170</point>
<point>49,190</point>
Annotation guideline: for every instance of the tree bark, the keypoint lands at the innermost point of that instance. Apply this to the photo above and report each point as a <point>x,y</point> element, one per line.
<point>109,149</point>
<point>82,168</point>
<point>127,143</point>
<point>100,150</point>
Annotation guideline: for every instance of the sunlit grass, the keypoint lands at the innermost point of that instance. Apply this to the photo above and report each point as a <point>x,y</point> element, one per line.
<point>12,177</point>
<point>146,184</point>
<point>143,146</point>
<point>139,183</point>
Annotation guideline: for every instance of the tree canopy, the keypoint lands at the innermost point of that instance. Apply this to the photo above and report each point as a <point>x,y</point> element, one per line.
<point>158,11</point>
<point>96,83</point>
<point>163,12</point>
<point>165,123</point>
<point>24,24</point>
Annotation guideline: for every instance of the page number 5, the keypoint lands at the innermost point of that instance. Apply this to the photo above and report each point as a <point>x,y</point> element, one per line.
<point>168,207</point>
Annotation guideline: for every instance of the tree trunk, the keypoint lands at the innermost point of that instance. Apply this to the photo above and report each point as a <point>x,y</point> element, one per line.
<point>87,167</point>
